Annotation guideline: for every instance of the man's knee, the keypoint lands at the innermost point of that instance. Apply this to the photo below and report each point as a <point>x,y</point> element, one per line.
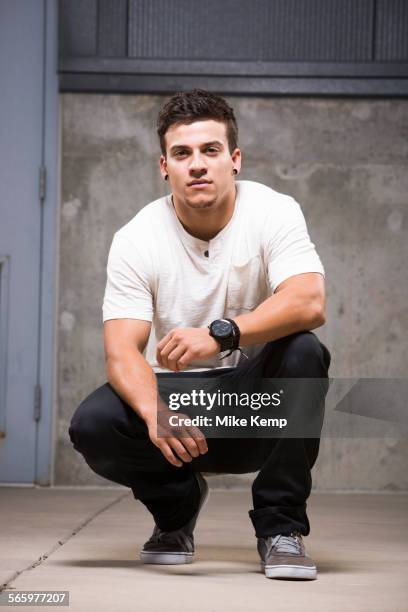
<point>305,356</point>
<point>93,419</point>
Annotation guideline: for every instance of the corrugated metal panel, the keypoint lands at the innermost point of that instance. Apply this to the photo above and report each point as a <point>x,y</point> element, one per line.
<point>318,30</point>
<point>112,28</point>
<point>77,27</point>
<point>392,30</point>
<point>236,46</point>
<point>274,30</point>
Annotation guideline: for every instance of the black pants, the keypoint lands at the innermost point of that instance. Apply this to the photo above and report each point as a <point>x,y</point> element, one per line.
<point>114,442</point>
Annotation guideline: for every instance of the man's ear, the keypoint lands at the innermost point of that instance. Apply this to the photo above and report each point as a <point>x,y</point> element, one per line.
<point>163,166</point>
<point>236,159</point>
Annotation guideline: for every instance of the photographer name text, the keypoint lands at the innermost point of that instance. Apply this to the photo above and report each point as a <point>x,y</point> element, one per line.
<point>226,421</point>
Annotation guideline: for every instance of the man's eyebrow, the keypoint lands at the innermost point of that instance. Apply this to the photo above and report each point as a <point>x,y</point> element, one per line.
<point>205,144</point>
<point>178,146</point>
<point>212,143</point>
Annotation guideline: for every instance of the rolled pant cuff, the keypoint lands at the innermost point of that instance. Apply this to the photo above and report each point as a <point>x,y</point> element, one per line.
<point>279,520</point>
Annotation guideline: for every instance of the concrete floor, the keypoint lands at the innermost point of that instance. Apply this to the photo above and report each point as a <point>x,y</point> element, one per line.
<point>87,542</point>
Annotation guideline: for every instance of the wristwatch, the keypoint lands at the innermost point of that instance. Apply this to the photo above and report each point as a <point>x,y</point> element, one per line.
<point>227,334</point>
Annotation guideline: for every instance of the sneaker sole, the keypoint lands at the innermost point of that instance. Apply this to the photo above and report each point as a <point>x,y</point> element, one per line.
<point>167,558</point>
<point>290,571</point>
<point>173,558</point>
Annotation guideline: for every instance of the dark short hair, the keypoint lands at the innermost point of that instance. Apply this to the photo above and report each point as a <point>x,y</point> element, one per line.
<point>196,105</point>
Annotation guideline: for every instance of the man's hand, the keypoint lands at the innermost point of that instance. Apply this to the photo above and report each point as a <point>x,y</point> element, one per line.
<point>183,345</point>
<point>175,442</point>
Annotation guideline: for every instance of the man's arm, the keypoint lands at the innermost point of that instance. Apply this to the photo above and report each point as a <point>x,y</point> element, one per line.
<point>135,382</point>
<point>127,370</point>
<point>298,304</point>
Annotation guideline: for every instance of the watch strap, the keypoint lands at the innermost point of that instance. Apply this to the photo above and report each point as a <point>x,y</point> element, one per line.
<point>236,335</point>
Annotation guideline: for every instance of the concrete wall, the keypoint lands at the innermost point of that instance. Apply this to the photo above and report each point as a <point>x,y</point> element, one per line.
<point>343,160</point>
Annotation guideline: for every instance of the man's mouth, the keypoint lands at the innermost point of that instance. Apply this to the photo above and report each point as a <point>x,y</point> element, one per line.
<point>198,183</point>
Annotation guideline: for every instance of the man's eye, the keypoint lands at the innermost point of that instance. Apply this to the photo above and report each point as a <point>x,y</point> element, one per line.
<point>212,150</point>
<point>180,153</point>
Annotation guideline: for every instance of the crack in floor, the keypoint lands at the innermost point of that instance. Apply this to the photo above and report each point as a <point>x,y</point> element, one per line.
<point>61,542</point>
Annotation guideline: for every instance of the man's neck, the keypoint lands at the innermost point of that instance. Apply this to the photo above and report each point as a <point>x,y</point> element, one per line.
<point>206,223</point>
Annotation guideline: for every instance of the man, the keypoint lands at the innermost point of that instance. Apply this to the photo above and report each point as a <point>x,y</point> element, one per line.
<point>195,277</point>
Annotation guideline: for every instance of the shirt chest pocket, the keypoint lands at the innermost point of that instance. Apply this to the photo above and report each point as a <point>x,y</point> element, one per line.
<point>247,286</point>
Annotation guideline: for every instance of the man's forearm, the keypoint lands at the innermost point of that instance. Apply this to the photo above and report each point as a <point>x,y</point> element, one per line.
<point>280,315</point>
<point>135,381</point>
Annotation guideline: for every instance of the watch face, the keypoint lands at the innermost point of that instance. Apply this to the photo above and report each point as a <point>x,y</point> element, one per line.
<point>221,328</point>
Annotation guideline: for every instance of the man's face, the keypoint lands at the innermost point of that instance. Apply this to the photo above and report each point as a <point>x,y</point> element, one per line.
<point>199,163</point>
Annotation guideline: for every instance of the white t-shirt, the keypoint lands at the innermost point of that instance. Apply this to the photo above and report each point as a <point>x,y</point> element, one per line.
<point>159,272</point>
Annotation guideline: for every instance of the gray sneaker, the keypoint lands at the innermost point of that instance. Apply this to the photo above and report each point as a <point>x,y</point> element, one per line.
<point>285,557</point>
<point>175,547</point>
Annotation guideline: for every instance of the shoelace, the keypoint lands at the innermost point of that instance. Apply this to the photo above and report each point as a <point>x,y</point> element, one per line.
<point>286,544</point>
<point>170,537</point>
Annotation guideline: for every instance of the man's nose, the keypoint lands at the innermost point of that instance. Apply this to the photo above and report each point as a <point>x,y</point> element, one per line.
<point>198,164</point>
